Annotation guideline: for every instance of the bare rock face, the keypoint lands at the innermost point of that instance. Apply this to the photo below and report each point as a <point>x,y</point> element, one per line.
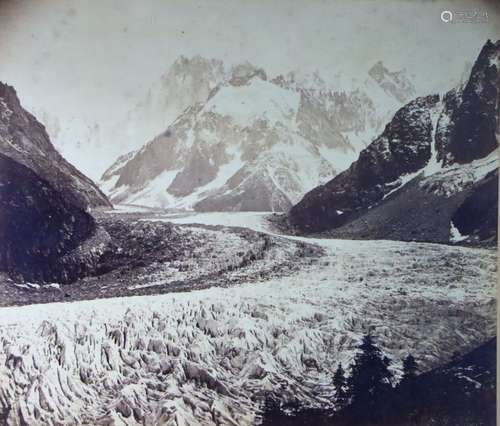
<point>451,100</point>
<point>475,121</point>
<point>198,172</point>
<point>410,181</point>
<point>404,147</point>
<point>38,226</point>
<point>477,216</point>
<point>243,73</point>
<point>395,83</point>
<point>25,140</point>
<point>247,191</point>
<point>46,234</point>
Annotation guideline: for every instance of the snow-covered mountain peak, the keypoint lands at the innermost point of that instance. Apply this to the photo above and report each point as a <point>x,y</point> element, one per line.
<point>235,151</point>
<point>230,148</point>
<point>195,72</point>
<point>257,99</point>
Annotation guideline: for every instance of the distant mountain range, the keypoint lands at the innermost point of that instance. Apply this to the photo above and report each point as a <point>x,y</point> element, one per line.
<point>92,145</point>
<point>253,142</point>
<point>431,175</point>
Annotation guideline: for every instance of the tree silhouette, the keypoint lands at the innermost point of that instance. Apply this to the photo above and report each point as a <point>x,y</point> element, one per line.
<point>440,396</point>
<point>369,382</point>
<point>409,395</point>
<point>340,383</point>
<point>410,369</point>
<point>271,410</point>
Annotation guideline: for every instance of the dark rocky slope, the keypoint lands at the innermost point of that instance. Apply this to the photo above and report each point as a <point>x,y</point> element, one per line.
<point>38,226</point>
<point>403,147</point>
<point>419,212</point>
<point>409,215</point>
<point>475,120</point>
<point>477,216</point>
<point>46,234</point>
<point>25,140</point>
<point>410,181</point>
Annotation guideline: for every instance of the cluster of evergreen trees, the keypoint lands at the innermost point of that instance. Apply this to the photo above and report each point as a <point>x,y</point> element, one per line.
<point>369,396</point>
<point>364,395</point>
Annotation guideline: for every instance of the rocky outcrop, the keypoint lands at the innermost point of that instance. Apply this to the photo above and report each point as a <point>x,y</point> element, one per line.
<point>395,83</point>
<point>199,171</point>
<point>38,226</point>
<point>409,182</point>
<point>242,73</point>
<point>425,209</point>
<point>477,216</point>
<point>248,190</point>
<point>25,140</point>
<point>475,121</point>
<point>404,147</point>
<point>46,233</point>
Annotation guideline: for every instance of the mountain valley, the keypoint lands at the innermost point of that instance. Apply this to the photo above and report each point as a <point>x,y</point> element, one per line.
<point>266,227</point>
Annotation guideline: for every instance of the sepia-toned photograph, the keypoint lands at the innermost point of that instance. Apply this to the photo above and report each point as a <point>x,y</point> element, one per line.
<point>236,213</point>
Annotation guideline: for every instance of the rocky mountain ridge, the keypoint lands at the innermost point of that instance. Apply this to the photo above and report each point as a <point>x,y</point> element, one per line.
<point>38,226</point>
<point>25,140</point>
<point>44,203</point>
<point>432,156</point>
<point>395,83</point>
<point>254,144</point>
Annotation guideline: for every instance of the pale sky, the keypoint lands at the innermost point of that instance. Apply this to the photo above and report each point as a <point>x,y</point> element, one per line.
<point>97,57</point>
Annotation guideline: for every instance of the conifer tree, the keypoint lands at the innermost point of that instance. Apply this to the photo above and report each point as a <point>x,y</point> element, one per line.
<point>271,410</point>
<point>339,381</point>
<point>410,369</point>
<point>369,381</point>
<point>409,395</point>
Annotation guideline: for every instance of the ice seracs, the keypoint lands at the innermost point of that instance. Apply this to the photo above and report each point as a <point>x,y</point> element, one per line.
<point>209,357</point>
